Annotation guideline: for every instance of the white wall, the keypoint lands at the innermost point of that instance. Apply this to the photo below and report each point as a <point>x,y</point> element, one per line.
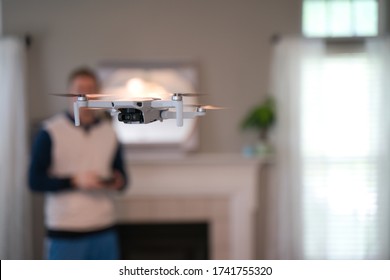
<point>228,39</point>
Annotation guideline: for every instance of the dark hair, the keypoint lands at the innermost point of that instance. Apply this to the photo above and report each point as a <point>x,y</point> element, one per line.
<point>84,72</point>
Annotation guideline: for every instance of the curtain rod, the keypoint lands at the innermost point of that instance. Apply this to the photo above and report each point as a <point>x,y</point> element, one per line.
<point>276,37</point>
<point>26,38</point>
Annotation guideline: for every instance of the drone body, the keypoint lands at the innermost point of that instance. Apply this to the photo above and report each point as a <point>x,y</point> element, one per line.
<point>140,111</point>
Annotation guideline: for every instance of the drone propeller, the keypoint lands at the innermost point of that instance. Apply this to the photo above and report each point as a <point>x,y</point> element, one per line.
<point>205,107</point>
<point>88,95</point>
<point>189,94</point>
<point>138,99</point>
<point>94,109</point>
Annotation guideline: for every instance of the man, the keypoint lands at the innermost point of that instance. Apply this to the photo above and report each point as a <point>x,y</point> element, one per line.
<point>79,169</point>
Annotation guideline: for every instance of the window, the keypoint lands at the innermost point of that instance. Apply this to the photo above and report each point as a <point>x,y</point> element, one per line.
<point>340,18</point>
<point>341,134</point>
<point>340,170</point>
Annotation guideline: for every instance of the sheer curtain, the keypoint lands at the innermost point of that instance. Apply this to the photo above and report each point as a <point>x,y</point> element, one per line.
<point>330,191</point>
<point>379,53</point>
<point>15,229</point>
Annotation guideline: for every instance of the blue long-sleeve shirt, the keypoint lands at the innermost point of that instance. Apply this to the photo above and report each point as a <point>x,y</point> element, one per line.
<point>41,160</point>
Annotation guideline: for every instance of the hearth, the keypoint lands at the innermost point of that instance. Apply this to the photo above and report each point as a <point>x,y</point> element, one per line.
<point>164,241</point>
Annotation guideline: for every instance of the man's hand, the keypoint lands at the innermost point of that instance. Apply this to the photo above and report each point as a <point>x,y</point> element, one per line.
<point>87,181</point>
<point>118,181</point>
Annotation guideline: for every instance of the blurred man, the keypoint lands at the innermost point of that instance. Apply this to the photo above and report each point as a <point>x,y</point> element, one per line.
<point>79,169</point>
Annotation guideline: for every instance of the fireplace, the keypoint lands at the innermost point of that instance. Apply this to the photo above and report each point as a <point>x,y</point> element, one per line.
<point>220,190</point>
<point>164,241</point>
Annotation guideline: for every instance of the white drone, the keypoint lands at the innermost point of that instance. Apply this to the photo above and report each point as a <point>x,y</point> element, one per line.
<point>139,110</point>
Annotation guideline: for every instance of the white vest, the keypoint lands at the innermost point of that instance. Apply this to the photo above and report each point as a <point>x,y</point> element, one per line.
<point>76,150</point>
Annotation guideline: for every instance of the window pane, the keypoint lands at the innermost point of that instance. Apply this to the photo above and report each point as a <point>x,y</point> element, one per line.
<point>325,112</point>
<point>341,208</point>
<point>365,13</point>
<point>314,18</point>
<point>340,18</point>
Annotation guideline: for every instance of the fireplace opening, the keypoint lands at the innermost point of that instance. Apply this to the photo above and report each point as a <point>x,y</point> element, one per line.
<point>164,241</point>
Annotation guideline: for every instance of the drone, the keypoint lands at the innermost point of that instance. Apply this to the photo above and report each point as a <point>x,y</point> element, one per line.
<point>139,110</point>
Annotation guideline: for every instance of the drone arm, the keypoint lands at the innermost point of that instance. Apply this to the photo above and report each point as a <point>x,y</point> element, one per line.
<point>102,104</point>
<point>76,112</point>
<point>179,113</point>
<point>85,103</point>
<point>163,104</point>
<point>178,105</point>
<point>186,115</point>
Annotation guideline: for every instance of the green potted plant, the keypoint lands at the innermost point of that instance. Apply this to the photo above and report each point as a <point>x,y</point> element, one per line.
<point>261,118</point>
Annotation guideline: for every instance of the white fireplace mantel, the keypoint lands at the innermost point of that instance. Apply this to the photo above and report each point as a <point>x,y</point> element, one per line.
<point>221,189</point>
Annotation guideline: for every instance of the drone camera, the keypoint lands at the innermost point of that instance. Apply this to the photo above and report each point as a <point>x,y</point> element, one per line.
<point>130,115</point>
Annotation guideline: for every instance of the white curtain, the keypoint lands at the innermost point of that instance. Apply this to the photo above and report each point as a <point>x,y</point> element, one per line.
<point>15,209</point>
<point>379,53</point>
<point>331,186</point>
